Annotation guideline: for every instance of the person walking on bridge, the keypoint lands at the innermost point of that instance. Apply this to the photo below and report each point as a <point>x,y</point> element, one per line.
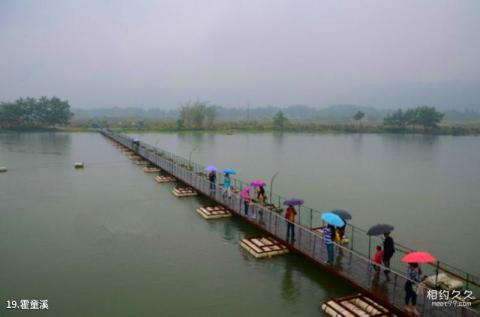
<point>414,273</point>
<point>328,237</point>
<point>290,215</point>
<point>261,195</point>
<point>227,185</point>
<point>388,251</point>
<point>212,177</point>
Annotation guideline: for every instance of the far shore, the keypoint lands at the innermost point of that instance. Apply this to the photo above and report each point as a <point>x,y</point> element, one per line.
<point>294,128</point>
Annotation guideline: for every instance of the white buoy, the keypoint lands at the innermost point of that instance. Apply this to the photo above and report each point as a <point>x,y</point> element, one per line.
<point>3,169</point>
<point>79,165</point>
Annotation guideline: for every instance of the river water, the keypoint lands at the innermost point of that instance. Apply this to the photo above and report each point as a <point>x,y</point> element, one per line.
<point>110,241</point>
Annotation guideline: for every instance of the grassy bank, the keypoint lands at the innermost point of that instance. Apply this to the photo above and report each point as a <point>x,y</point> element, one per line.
<point>228,127</point>
<point>299,126</point>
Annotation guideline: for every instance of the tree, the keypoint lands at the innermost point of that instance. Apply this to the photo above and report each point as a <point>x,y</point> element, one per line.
<point>428,117</point>
<point>33,113</point>
<point>397,119</point>
<point>279,121</point>
<point>211,113</point>
<point>197,112</point>
<point>192,116</point>
<point>358,117</point>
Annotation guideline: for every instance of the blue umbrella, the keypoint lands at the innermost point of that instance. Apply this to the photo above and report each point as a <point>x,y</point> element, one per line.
<point>210,168</point>
<point>333,219</point>
<point>230,171</point>
<point>293,202</point>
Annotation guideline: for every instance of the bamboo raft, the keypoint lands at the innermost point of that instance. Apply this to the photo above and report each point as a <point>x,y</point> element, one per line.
<point>263,247</point>
<point>184,192</point>
<point>142,162</point>
<point>133,157</point>
<point>151,169</point>
<point>79,165</point>
<point>164,178</point>
<point>355,306</point>
<point>215,212</point>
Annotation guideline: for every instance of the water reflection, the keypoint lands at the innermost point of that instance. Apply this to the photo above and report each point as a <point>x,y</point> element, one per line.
<point>289,289</point>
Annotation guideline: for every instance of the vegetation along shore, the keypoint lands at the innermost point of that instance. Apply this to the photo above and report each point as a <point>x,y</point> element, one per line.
<point>54,114</point>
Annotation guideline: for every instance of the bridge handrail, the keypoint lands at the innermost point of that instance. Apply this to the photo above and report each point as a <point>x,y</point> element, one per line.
<point>470,280</point>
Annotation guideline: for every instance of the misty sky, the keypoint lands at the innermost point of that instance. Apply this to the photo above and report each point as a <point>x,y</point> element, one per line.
<point>320,52</point>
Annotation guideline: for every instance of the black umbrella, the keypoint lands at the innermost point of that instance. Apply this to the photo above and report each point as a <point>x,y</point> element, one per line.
<point>379,229</point>
<point>345,215</point>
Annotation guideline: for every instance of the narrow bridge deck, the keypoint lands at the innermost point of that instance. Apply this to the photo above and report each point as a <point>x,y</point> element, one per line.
<point>349,265</point>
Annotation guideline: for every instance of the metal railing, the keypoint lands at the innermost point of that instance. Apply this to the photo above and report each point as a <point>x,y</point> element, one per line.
<point>352,261</point>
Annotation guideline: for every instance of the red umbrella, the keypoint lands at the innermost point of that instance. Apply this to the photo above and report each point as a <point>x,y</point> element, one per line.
<point>419,257</point>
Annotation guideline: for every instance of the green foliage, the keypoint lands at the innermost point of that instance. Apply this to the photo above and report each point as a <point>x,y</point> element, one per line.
<point>358,116</point>
<point>32,113</point>
<point>193,116</point>
<point>279,121</point>
<point>427,117</point>
<point>397,119</point>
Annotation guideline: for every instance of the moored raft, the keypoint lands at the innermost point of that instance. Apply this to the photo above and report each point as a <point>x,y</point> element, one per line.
<point>262,247</point>
<point>133,157</point>
<point>214,212</point>
<point>3,169</point>
<point>79,165</point>
<point>164,178</point>
<point>184,192</point>
<point>355,306</point>
<point>142,162</point>
<point>151,169</point>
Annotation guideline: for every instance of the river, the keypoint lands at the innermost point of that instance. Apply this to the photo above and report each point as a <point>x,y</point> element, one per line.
<point>110,241</point>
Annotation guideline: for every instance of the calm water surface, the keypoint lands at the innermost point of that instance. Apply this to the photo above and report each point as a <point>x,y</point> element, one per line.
<point>110,241</point>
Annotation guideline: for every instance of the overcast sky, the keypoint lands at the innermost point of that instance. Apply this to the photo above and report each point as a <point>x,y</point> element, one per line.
<point>320,52</point>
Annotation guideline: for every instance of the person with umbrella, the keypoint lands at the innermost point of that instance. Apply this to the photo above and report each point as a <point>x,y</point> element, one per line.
<point>332,220</point>
<point>414,273</point>
<point>212,177</point>
<point>261,195</point>
<point>388,251</point>
<point>388,243</point>
<point>290,215</point>
<point>245,194</point>
<point>345,215</point>
<point>227,182</point>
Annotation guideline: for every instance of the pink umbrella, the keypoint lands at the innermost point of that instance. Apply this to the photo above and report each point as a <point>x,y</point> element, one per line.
<point>258,183</point>
<point>245,193</point>
<point>419,257</point>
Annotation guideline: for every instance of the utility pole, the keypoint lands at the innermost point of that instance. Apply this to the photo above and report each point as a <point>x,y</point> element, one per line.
<point>248,111</point>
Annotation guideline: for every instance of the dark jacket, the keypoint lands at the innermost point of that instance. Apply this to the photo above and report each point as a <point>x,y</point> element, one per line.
<point>388,248</point>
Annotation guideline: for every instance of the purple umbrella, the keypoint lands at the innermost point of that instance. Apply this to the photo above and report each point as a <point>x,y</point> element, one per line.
<point>210,168</point>
<point>293,202</point>
<point>258,183</point>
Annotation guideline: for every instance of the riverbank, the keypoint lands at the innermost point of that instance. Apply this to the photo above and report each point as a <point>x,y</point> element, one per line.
<point>261,126</point>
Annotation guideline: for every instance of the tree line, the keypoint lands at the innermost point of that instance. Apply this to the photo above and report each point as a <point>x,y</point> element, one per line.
<point>424,116</point>
<point>197,115</point>
<point>34,113</point>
